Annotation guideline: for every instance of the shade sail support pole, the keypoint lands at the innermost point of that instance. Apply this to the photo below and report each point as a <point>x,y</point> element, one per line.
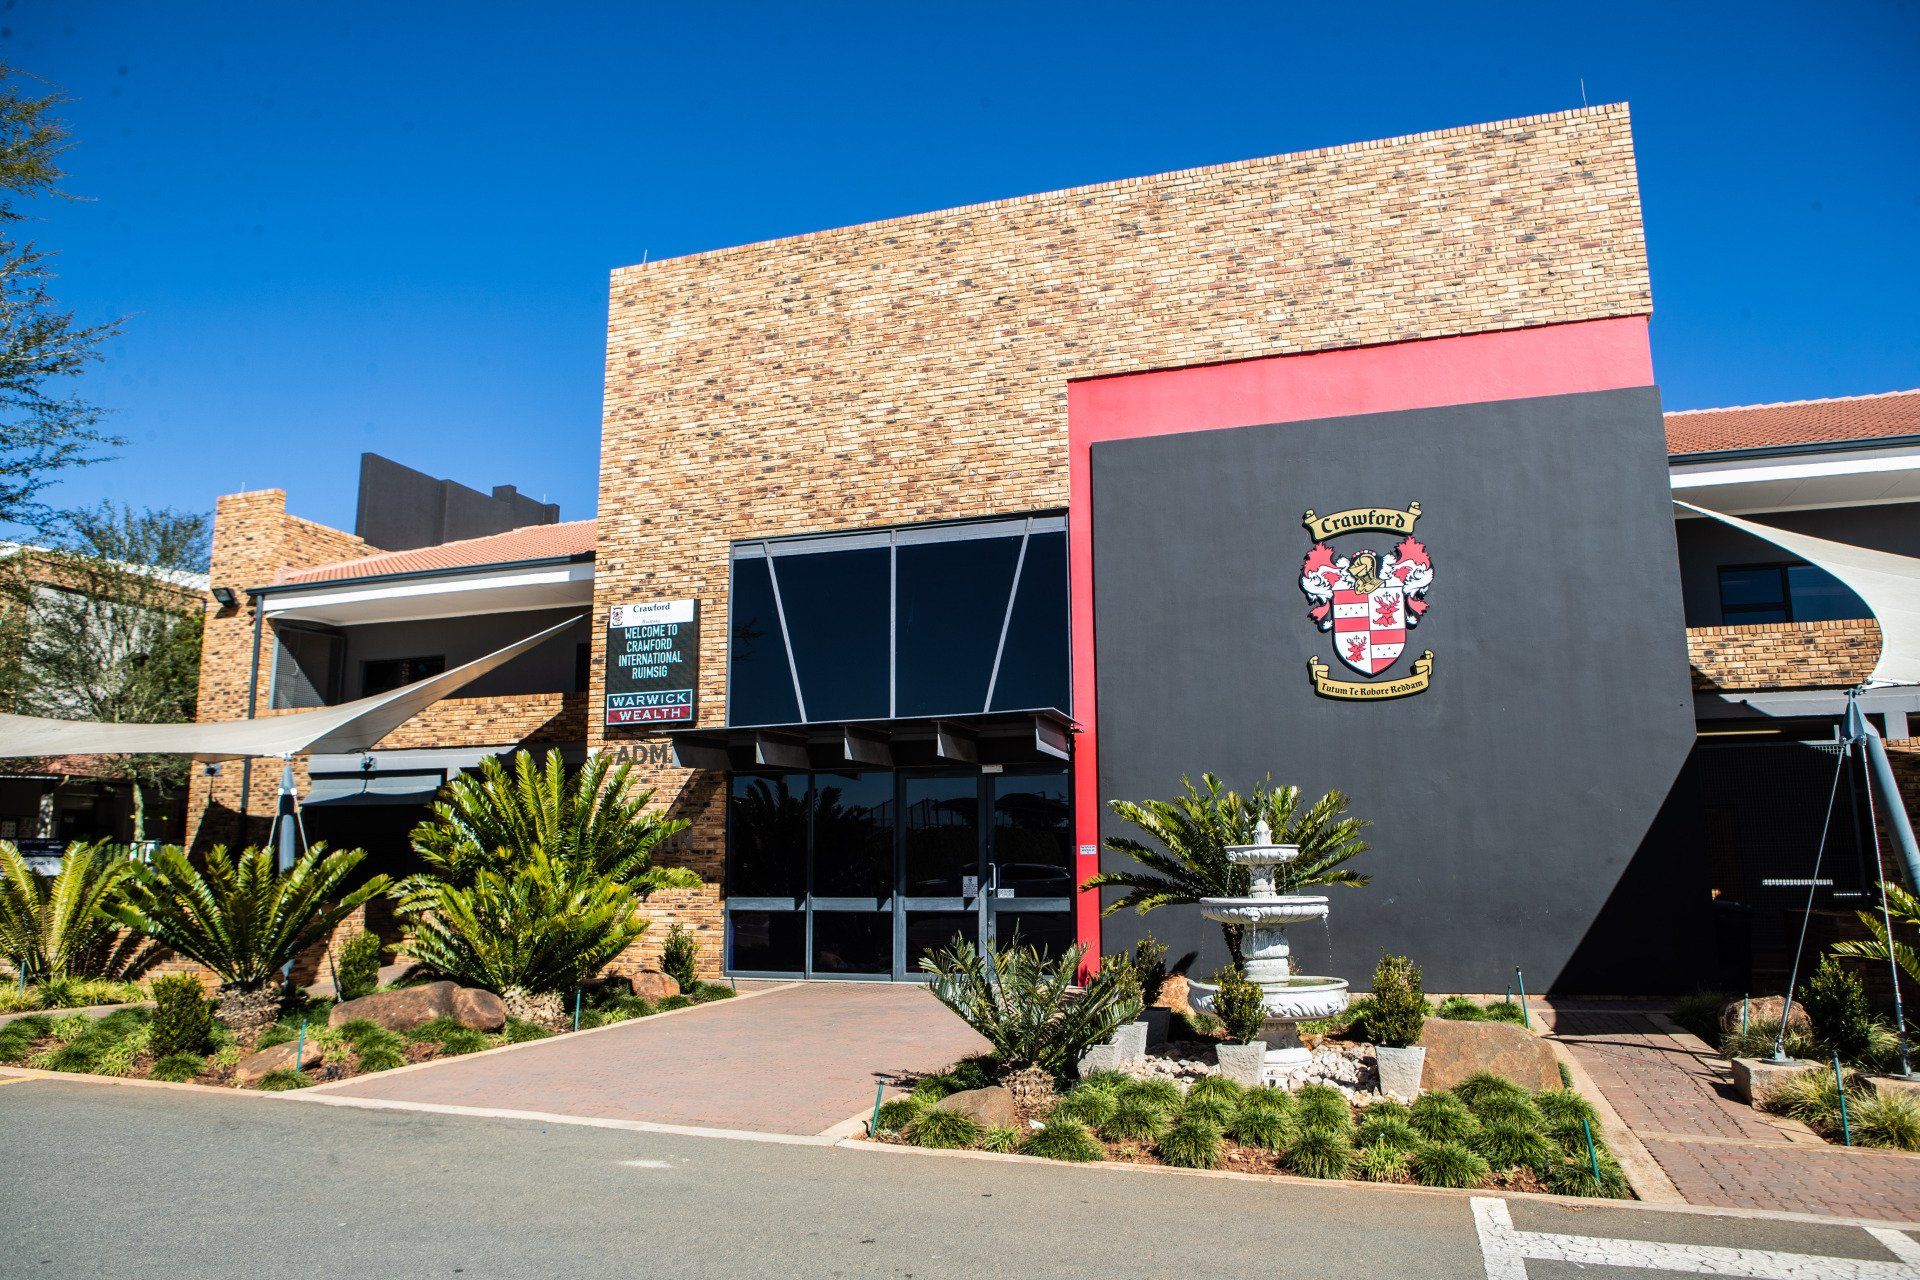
<point>1859,726</point>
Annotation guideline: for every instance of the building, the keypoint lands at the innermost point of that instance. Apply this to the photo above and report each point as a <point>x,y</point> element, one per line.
<point>920,540</point>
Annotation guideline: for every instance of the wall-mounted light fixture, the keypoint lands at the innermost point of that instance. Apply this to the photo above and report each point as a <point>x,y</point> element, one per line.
<point>225,597</point>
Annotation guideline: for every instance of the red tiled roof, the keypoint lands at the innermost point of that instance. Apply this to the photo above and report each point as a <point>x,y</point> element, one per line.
<point>1757,426</point>
<point>535,542</point>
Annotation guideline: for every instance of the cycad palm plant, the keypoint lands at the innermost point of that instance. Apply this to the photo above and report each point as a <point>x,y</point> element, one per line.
<point>1904,910</point>
<point>1187,860</point>
<point>535,878</point>
<point>1025,1004</point>
<point>238,916</point>
<point>58,927</point>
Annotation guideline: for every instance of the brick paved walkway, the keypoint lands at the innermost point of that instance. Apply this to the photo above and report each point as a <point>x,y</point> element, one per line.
<point>1670,1091</point>
<point>796,1059</point>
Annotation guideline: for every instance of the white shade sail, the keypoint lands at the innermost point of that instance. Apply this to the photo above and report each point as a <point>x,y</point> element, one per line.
<point>1890,584</point>
<point>351,726</point>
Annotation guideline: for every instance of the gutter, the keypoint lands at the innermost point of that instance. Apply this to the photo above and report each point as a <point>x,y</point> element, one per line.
<point>415,575</point>
<point>1794,450</point>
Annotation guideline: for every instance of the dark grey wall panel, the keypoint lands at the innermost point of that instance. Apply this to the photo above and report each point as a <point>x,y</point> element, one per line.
<point>1518,802</point>
<point>1706,545</point>
<point>400,508</point>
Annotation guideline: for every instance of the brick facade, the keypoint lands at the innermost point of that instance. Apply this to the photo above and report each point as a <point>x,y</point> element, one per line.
<point>1783,655</point>
<point>917,369</point>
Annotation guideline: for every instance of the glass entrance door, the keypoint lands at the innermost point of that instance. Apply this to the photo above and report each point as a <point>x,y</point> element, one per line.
<point>1030,860</point>
<point>941,872</point>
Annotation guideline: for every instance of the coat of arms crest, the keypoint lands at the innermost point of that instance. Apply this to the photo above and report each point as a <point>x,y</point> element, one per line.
<point>1367,600</point>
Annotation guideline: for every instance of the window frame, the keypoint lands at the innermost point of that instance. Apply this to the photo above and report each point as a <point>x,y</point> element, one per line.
<point>1732,616</point>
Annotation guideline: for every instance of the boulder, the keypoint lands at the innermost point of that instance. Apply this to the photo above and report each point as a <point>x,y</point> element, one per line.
<point>401,1010</point>
<point>654,986</point>
<point>478,1008</point>
<point>1455,1050</point>
<point>992,1107</point>
<point>255,1067</point>
<point>1762,1009</point>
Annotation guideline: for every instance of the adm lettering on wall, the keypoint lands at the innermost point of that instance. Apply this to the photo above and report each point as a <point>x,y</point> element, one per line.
<point>653,662</point>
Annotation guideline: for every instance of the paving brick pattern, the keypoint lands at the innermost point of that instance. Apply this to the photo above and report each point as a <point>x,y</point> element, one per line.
<point>798,1059</point>
<point>1717,1150</point>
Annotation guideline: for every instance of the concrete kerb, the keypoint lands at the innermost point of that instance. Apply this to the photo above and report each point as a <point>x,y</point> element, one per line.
<point>549,1040</point>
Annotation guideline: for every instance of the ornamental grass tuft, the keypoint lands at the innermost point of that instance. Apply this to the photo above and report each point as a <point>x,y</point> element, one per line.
<point>898,1113</point>
<point>453,1036</point>
<point>1321,1106</point>
<point>1508,1108</point>
<point>374,1047</point>
<point>943,1130</point>
<point>1266,1127</point>
<point>1386,1132</point>
<point>178,1068</point>
<point>281,1079</point>
<point>930,1089</point>
<point>1065,1140</point>
<point>1508,1144</point>
<point>1216,1086</point>
<point>518,1031</point>
<point>1320,1153</point>
<point>1384,1108</point>
<point>1559,1105</point>
<point>1441,1117</point>
<point>1090,1105</point>
<point>1380,1163</point>
<point>1162,1093</point>
<point>1000,1139</point>
<point>1884,1119</point>
<point>1448,1164</point>
<point>1573,1176</point>
<point>1211,1108</point>
<point>1193,1142</point>
<point>1812,1097</point>
<point>1115,1082</point>
<point>1135,1119</point>
<point>1485,1084</point>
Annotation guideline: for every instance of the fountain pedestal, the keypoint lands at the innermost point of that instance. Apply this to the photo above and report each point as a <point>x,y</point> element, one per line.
<point>1264,915</point>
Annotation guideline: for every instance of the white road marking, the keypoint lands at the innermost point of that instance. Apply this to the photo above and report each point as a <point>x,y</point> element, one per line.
<point>1506,1251</point>
<point>646,1164</point>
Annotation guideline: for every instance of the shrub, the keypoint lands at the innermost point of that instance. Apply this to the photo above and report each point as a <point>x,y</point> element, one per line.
<point>1885,1120</point>
<point>1228,1091</point>
<point>53,927</point>
<point>1399,1008</point>
<point>678,955</point>
<point>280,1079</point>
<point>1000,1139</point>
<point>1448,1164</point>
<point>1192,1142</point>
<point>1441,1117</point>
<point>178,1067</point>
<point>1064,1140</point>
<point>1321,1106</point>
<point>519,1032</point>
<point>358,968</point>
<point>453,1036</point>
<point>898,1113</point>
<point>1507,1143</point>
<point>1574,1177</point>
<point>943,1130</point>
<point>1560,1105</point>
<point>1164,1094</point>
<point>1148,963</point>
<point>1024,1004</point>
<point>1240,1004</point>
<point>1381,1163</point>
<point>240,916</point>
<point>1836,1005</point>
<point>1135,1118</point>
<point>182,1017</point>
<point>1320,1153</point>
<point>1485,1084</point>
<point>1387,1132</point>
<point>1091,1106</point>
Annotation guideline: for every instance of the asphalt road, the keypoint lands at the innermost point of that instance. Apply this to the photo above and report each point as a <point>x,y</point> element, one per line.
<point>99,1180</point>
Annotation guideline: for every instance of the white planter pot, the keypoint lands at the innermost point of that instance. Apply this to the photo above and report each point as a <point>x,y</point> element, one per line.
<point>1131,1040</point>
<point>1243,1063</point>
<point>1400,1070</point>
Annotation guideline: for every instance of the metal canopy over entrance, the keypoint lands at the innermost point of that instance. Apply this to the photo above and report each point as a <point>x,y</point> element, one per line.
<point>991,738</point>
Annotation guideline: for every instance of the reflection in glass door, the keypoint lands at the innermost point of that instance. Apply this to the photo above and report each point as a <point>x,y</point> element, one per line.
<point>940,880</point>
<point>1030,861</point>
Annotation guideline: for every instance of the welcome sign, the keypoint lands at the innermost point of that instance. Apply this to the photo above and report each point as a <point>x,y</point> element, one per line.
<point>653,662</point>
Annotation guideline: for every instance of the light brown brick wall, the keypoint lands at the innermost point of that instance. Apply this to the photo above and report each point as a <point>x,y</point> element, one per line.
<point>1783,655</point>
<point>917,369</point>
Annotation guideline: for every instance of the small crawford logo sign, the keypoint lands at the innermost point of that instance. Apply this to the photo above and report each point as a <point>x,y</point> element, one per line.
<point>1368,600</point>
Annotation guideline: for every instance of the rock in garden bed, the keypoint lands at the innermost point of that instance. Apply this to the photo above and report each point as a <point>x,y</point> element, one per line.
<point>409,1007</point>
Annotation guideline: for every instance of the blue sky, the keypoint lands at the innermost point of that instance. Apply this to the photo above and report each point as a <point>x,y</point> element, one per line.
<point>342,228</point>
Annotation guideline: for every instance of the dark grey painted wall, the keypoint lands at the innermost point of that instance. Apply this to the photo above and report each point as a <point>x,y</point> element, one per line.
<point>1706,545</point>
<point>548,669</point>
<point>401,508</point>
<point>1518,802</point>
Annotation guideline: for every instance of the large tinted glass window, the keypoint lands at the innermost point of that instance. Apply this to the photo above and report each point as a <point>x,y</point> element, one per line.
<point>837,604</point>
<point>853,836</point>
<point>768,941</point>
<point>1032,836</point>
<point>1033,670</point>
<point>767,836</point>
<point>759,685</point>
<point>953,596</point>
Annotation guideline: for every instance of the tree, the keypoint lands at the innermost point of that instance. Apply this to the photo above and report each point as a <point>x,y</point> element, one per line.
<point>1193,830</point>
<point>111,629</point>
<point>45,427</point>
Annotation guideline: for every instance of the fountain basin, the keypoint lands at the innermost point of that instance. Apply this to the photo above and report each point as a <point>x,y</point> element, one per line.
<point>1298,999</point>
<point>1283,910</point>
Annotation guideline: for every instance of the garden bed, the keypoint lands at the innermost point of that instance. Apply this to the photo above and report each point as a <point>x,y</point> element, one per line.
<point>68,993</point>
<point>1489,1133</point>
<point>118,1043</point>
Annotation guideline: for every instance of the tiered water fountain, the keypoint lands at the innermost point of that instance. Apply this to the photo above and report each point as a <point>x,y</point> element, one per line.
<point>1264,914</point>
